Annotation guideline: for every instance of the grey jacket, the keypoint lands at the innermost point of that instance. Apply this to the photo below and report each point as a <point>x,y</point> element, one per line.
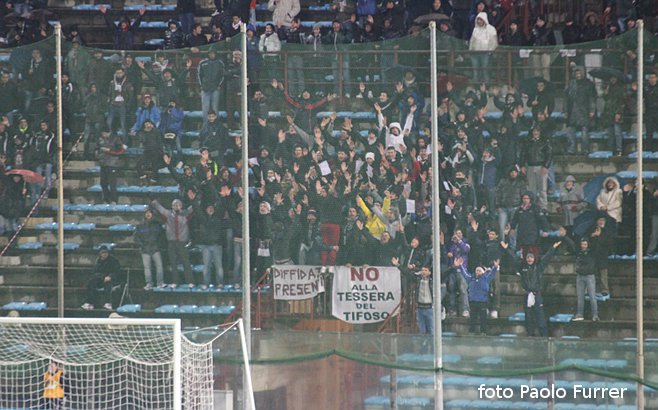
<point>177,225</point>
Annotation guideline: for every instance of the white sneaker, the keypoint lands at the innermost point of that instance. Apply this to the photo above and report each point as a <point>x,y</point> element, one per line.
<point>443,313</point>
<point>87,306</point>
<point>107,306</point>
<point>494,314</point>
<point>190,285</point>
<point>148,286</point>
<point>173,286</point>
<point>204,287</point>
<point>466,314</point>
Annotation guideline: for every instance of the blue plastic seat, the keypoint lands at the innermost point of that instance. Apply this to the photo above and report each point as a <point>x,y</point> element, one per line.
<point>188,309</point>
<point>600,155</point>
<point>166,309</point>
<point>561,318</point>
<point>490,360</point>
<point>14,306</point>
<point>122,228</point>
<point>517,317</point>
<point>134,308</point>
<point>30,246</point>
<point>71,246</point>
<point>157,42</point>
<point>95,188</point>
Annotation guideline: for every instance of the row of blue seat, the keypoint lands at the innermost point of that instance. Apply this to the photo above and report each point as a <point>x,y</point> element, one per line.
<point>138,189</point>
<point>101,208</point>
<point>597,363</point>
<point>36,245</point>
<point>402,401</point>
<point>26,306</point>
<point>132,7</point>
<point>194,309</point>
<point>68,226</point>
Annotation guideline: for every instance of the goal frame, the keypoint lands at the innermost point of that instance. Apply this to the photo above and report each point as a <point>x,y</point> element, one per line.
<point>175,323</point>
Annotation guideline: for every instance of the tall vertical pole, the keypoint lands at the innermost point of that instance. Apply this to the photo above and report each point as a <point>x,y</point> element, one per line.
<point>60,175</point>
<point>246,266</point>
<point>639,295</point>
<point>436,227</point>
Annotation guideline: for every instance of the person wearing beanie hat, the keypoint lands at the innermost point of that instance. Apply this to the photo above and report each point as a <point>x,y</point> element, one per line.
<point>106,274</point>
<point>529,223</point>
<point>149,237</point>
<point>531,271</point>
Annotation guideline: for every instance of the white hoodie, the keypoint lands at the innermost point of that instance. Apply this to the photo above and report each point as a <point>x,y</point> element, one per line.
<point>484,38</point>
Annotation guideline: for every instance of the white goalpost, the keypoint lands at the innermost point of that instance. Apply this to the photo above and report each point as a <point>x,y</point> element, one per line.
<point>102,364</point>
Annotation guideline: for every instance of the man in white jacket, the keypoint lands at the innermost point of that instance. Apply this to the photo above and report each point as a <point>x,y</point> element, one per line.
<point>484,40</point>
<point>283,11</point>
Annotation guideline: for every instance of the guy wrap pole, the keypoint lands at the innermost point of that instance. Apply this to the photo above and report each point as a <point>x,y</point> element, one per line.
<point>60,175</point>
<point>639,295</point>
<point>246,266</point>
<point>436,228</point>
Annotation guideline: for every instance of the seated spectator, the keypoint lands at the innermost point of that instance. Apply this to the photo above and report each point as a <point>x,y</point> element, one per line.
<point>148,110</point>
<point>174,37</point>
<point>106,274</point>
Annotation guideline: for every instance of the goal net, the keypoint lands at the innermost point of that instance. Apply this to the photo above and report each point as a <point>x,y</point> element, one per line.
<point>102,364</point>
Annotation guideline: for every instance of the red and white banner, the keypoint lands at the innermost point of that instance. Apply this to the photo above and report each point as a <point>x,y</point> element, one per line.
<point>367,294</point>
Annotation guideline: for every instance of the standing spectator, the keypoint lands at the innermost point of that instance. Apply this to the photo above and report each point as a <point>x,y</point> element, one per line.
<point>120,94</point>
<point>94,119</point>
<point>508,198</point>
<point>210,77</point>
<point>541,36</point>
<point>602,239</point>
<point>149,237</point>
<point>484,40</point>
<point>532,281</point>
<point>650,107</point>
<point>585,281</point>
<point>174,37</point>
<point>424,300</point>
<point>572,203</point>
<point>152,158</point>
<point>234,89</point>
<point>9,97</point>
<point>335,39</point>
<point>478,293</point>
<point>100,72</point>
<point>211,241</point>
<point>653,200</point>
<point>38,78</point>
<point>529,223</point>
<point>77,62</point>
<point>612,117</point>
<point>581,107</point>
<point>186,11</point>
<point>106,275</point>
<point>283,11</point>
<point>177,230</point>
<point>622,9</point>
<point>110,148</point>
<point>269,47</point>
<point>536,158</point>
<point>124,32</point>
<point>168,84</point>
<point>609,201</point>
<point>295,61</point>
<point>42,148</point>
<point>262,237</point>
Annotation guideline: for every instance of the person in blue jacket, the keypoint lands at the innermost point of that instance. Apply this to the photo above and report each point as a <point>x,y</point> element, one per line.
<point>479,283</point>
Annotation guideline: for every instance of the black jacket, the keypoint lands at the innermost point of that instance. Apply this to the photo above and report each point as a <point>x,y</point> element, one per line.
<point>149,236</point>
<point>532,276</point>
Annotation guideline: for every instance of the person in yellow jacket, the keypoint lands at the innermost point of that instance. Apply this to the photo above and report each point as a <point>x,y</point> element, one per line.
<point>375,215</point>
<point>53,391</point>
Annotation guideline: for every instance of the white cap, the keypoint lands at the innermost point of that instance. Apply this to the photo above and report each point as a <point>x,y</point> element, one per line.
<point>370,155</point>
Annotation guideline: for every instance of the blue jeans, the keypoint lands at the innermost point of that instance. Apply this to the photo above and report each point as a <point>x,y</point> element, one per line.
<point>505,215</point>
<point>425,321</point>
<point>571,138</point>
<point>156,259</point>
<point>586,283</point>
<point>480,63</point>
<point>117,111</point>
<point>186,22</point>
<point>36,189</point>
<point>209,99</point>
<point>237,260</point>
<point>212,255</point>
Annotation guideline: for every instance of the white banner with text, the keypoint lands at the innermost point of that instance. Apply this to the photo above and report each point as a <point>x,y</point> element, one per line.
<point>297,282</point>
<point>365,294</point>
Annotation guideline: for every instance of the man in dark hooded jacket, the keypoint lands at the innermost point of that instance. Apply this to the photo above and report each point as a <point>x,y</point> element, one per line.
<point>124,32</point>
